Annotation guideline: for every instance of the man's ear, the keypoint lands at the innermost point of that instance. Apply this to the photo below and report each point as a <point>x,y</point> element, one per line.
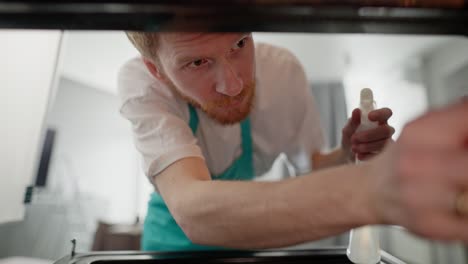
<point>154,70</point>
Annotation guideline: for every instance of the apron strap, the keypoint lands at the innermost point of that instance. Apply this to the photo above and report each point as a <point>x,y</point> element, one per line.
<point>193,121</point>
<point>244,164</point>
<point>247,150</point>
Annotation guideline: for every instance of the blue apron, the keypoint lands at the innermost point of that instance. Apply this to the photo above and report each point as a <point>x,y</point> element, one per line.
<point>160,230</point>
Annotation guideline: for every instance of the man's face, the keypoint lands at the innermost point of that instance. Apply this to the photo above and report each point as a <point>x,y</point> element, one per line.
<point>214,72</point>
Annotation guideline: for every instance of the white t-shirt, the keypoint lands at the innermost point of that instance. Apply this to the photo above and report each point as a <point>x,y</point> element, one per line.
<point>283,118</point>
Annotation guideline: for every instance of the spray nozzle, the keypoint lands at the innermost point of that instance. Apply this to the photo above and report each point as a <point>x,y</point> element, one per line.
<point>367,95</point>
<point>367,98</point>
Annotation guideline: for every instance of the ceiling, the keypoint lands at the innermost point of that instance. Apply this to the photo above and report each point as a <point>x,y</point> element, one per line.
<point>94,57</point>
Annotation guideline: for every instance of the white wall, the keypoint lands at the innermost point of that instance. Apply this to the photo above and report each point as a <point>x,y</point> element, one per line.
<point>94,152</point>
<point>27,65</point>
<point>94,57</point>
<point>94,175</point>
<point>445,72</point>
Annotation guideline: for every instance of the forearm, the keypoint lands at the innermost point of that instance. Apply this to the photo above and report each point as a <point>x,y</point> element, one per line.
<point>335,158</point>
<point>275,214</point>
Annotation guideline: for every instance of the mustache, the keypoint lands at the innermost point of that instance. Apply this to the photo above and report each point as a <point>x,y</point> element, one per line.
<point>228,100</point>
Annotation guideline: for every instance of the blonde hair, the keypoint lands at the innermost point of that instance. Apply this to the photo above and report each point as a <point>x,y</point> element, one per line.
<point>146,43</point>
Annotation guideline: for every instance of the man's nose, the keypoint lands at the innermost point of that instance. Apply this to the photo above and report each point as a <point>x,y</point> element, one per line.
<point>228,81</point>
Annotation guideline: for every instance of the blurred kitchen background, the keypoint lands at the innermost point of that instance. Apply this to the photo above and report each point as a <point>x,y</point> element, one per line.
<point>62,133</point>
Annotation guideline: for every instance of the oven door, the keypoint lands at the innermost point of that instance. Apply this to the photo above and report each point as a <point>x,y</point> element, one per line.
<point>318,256</point>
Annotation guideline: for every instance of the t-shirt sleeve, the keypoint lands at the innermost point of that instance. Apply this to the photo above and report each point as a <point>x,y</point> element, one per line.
<point>159,121</point>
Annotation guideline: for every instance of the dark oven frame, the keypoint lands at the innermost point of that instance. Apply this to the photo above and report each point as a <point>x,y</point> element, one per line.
<point>322,255</point>
<point>428,17</point>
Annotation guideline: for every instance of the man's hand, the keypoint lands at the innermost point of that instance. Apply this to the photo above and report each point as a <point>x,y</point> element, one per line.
<point>366,144</point>
<point>422,179</point>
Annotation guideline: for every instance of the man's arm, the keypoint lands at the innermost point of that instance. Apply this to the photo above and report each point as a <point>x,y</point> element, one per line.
<point>253,215</point>
<point>336,157</point>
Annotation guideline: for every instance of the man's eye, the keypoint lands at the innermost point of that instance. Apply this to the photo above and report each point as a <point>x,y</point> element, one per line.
<point>198,63</point>
<point>240,44</point>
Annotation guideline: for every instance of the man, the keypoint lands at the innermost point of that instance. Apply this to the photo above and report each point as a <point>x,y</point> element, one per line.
<point>211,111</point>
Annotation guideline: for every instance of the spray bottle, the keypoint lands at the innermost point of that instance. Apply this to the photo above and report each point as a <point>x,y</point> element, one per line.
<point>364,246</point>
